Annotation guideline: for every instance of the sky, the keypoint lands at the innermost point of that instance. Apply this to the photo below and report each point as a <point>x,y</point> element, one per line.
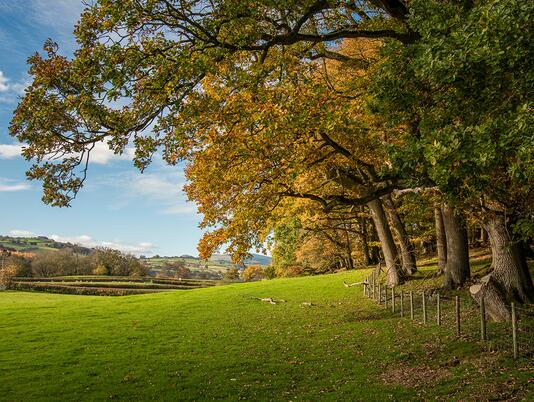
<point>143,214</point>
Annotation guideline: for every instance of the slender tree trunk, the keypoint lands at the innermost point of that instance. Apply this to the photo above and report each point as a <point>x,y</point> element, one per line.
<point>406,247</point>
<point>364,238</point>
<point>348,247</point>
<point>364,242</point>
<point>457,269</point>
<point>483,236</point>
<point>386,239</point>
<point>510,268</point>
<point>441,240</point>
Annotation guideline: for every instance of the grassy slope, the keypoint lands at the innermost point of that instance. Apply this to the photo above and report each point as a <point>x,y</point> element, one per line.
<point>217,343</point>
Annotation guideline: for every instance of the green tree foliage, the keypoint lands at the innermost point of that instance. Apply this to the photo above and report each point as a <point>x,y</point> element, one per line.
<point>465,91</point>
<point>285,243</point>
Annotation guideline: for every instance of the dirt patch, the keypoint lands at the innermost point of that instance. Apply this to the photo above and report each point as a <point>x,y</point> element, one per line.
<point>415,377</point>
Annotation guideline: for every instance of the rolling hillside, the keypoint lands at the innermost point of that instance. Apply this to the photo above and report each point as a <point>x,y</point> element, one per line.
<point>37,244</point>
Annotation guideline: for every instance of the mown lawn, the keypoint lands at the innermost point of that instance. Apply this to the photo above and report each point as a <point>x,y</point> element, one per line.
<point>220,343</point>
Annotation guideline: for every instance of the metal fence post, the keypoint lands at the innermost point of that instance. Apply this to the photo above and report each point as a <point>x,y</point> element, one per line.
<point>402,303</point>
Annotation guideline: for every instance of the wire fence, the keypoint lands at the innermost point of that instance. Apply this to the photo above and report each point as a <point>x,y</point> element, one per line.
<point>463,316</point>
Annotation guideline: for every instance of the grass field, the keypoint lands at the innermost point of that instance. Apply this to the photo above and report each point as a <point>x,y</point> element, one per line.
<point>219,343</point>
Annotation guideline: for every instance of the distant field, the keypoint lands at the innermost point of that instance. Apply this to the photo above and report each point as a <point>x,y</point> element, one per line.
<point>217,264</point>
<point>220,343</point>
<point>105,285</point>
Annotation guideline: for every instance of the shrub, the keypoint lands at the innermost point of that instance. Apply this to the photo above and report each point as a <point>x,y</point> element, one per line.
<point>252,273</point>
<point>22,265</point>
<point>100,270</point>
<point>269,272</point>
<point>6,276</point>
<point>232,274</point>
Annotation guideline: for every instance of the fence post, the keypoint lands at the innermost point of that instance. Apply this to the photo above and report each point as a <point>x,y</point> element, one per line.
<point>458,329</point>
<point>365,289</point>
<point>386,296</point>
<point>483,333</point>
<point>379,293</point>
<point>424,307</point>
<point>374,286</point>
<point>438,310</point>
<point>393,299</point>
<point>402,303</point>
<point>411,304</point>
<point>514,331</point>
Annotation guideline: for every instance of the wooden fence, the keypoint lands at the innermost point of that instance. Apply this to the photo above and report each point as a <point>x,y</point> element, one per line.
<point>467,318</point>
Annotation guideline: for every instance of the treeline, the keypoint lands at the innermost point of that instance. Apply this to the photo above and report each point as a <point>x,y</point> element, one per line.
<point>179,270</point>
<point>328,128</point>
<point>65,262</point>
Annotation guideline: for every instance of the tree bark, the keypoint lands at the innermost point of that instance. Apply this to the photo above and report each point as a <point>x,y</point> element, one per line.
<point>364,242</point>
<point>389,250</point>
<point>483,236</point>
<point>441,240</point>
<point>406,247</point>
<point>457,269</point>
<point>493,296</point>
<point>348,249</point>
<point>374,250</point>
<point>510,269</point>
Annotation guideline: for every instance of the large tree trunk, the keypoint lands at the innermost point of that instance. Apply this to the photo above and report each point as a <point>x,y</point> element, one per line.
<point>510,268</point>
<point>495,307</point>
<point>394,276</point>
<point>441,240</point>
<point>406,247</point>
<point>457,269</point>
<point>374,250</point>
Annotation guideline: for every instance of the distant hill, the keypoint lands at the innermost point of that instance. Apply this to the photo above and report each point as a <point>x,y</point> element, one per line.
<point>42,244</point>
<point>38,244</point>
<point>255,259</point>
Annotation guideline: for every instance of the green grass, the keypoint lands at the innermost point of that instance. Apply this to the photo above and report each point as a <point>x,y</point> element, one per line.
<point>219,343</point>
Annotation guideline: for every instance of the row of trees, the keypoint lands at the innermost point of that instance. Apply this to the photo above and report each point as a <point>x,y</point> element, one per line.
<point>100,261</point>
<point>327,115</point>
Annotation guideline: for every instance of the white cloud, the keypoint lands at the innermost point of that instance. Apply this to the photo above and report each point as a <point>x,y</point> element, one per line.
<point>21,233</point>
<point>165,188</point>
<point>7,185</point>
<point>10,151</point>
<point>162,188</point>
<point>4,87</point>
<point>88,241</point>
<point>102,155</point>
<point>15,88</point>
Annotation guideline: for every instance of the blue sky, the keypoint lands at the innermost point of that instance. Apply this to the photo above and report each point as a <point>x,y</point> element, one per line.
<point>119,207</point>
